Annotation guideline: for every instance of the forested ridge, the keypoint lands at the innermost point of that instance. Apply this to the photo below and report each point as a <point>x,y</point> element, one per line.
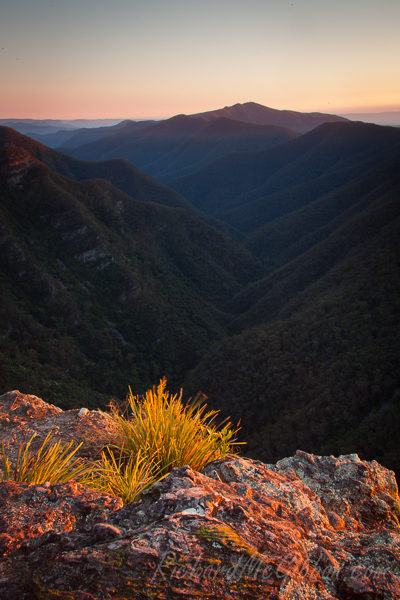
<point>101,290</point>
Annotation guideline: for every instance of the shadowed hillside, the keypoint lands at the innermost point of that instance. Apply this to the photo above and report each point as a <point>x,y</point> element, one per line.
<point>248,189</point>
<point>315,362</point>
<point>182,144</point>
<point>101,290</point>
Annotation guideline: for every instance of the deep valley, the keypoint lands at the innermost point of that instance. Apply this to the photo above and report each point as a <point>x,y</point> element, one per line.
<point>255,260</point>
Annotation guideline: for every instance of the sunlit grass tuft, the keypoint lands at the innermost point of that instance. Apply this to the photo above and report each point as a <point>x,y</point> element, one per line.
<point>125,477</point>
<point>165,431</point>
<point>54,463</point>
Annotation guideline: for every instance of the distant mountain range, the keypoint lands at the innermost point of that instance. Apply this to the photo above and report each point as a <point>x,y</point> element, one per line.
<point>285,311</point>
<point>178,146</point>
<point>47,126</point>
<point>181,145</point>
<point>390,118</point>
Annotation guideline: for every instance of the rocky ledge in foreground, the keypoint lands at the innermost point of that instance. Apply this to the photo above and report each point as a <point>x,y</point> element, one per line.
<point>309,527</point>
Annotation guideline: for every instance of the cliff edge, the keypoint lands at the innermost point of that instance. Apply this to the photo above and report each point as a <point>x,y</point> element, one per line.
<point>306,528</point>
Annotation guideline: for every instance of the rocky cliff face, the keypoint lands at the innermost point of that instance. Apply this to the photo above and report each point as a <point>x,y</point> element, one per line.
<point>307,528</point>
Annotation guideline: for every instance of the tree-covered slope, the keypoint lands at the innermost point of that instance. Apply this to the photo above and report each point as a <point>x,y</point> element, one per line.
<point>246,190</point>
<point>120,173</point>
<point>100,290</point>
<point>317,365</point>
<point>300,247</point>
<point>182,144</point>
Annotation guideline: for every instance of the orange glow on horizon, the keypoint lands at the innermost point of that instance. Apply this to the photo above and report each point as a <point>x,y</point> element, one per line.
<point>94,59</point>
<point>154,111</point>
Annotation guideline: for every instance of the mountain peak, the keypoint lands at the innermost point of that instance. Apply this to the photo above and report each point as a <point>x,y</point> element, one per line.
<point>252,112</point>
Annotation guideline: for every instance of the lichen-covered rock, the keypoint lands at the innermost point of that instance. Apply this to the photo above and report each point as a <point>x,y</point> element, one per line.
<point>27,511</point>
<point>32,516</point>
<point>240,530</point>
<point>307,528</point>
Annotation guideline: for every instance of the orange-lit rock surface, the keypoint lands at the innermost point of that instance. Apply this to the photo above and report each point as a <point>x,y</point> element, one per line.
<point>21,415</point>
<point>306,528</point>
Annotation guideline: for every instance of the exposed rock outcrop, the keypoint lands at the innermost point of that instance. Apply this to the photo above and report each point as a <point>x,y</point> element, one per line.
<point>22,415</point>
<point>14,164</point>
<point>307,528</point>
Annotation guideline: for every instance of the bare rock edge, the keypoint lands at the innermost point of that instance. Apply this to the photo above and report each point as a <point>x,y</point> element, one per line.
<point>308,527</point>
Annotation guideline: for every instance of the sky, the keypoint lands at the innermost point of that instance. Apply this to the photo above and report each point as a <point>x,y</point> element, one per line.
<point>157,58</point>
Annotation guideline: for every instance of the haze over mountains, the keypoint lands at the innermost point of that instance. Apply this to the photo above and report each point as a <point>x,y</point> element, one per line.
<point>68,139</point>
<point>48,126</point>
<point>391,118</point>
<point>287,319</point>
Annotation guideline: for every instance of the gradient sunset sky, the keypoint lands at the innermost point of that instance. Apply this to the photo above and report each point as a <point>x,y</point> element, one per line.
<point>157,58</point>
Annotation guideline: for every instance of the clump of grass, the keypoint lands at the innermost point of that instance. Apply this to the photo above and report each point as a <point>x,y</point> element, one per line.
<point>159,432</point>
<point>120,476</point>
<point>169,433</point>
<point>54,463</point>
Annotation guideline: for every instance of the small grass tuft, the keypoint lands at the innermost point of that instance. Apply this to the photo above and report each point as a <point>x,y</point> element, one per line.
<point>54,463</point>
<point>126,477</point>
